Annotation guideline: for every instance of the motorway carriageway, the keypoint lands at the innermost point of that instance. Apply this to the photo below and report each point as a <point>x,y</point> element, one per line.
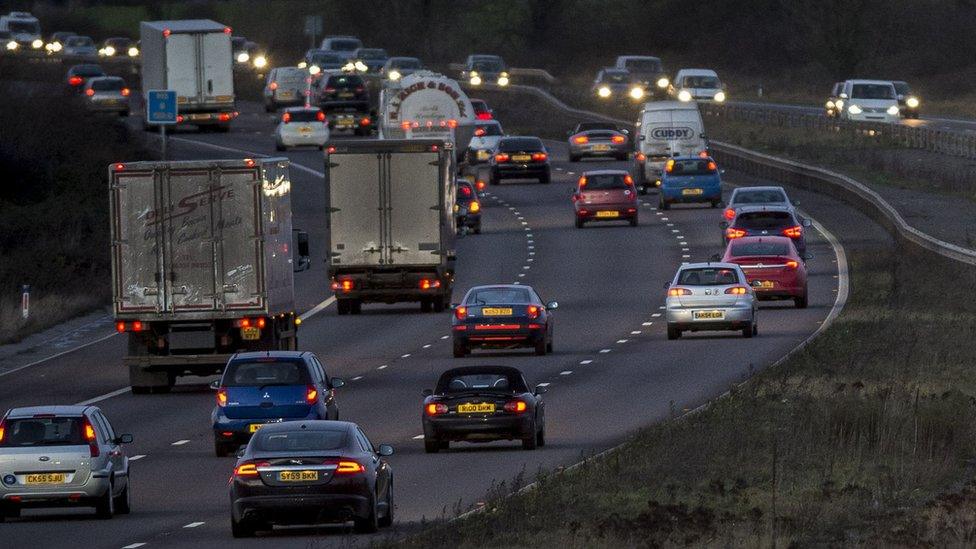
<point>612,372</point>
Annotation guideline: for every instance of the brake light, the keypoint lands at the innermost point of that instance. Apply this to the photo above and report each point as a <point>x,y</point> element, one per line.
<point>179,119</point>
<point>427,284</point>
<point>75,80</point>
<point>703,154</point>
<point>736,290</point>
<point>2,428</point>
<point>92,439</point>
<point>227,30</point>
<point>452,123</point>
<point>516,406</point>
<point>329,89</point>
<point>677,292</point>
<point>793,264</point>
<point>629,180</point>
<point>89,92</point>
<point>120,327</point>
<point>221,397</point>
<point>364,122</point>
<point>249,469</point>
<point>224,117</point>
<point>581,140</point>
<point>712,167</point>
<point>273,86</point>
<point>733,233</point>
<point>349,467</point>
<point>166,33</point>
<point>343,285</point>
<point>729,214</point>
<point>135,326</point>
<point>539,157</point>
<point>320,116</point>
<point>794,232</point>
<point>474,206</point>
<point>669,166</point>
<point>461,313</point>
<point>533,311</point>
<point>618,139</point>
<point>119,167</point>
<point>360,89</point>
<point>311,395</point>
<point>480,184</point>
<point>501,157</point>
<point>434,409</point>
<point>125,92</point>
<point>286,117</point>
<point>484,116</point>
<point>465,190</point>
<point>582,182</point>
<point>405,126</point>
<point>641,157</point>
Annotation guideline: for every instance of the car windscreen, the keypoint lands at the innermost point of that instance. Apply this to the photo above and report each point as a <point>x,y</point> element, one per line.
<point>488,130</point>
<point>345,45</point>
<point>707,82</point>
<point>43,431</point>
<point>257,373</point>
<point>759,196</point>
<point>616,77</point>
<point>372,54</point>
<point>873,91</point>
<point>643,65</point>
<point>707,276</point>
<point>488,296</point>
<point>108,84</point>
<point>32,27</point>
<point>763,220</point>
<point>303,115</point>
<point>692,167</point>
<point>605,182</point>
<point>501,382</point>
<point>345,81</point>
<point>405,63</point>
<point>326,60</point>
<point>759,248</point>
<point>118,42</point>
<point>520,144</point>
<point>487,66</point>
<point>902,88</point>
<point>88,70</point>
<point>79,41</point>
<point>300,441</point>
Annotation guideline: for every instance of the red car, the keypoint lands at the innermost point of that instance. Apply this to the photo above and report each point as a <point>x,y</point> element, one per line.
<point>605,195</point>
<point>772,267</point>
<point>481,109</point>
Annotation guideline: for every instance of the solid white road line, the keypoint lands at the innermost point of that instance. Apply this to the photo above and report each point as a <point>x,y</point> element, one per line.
<point>418,437</point>
<point>565,372</point>
<point>317,309</point>
<point>62,353</point>
<point>106,396</point>
<point>585,362</point>
<point>133,545</point>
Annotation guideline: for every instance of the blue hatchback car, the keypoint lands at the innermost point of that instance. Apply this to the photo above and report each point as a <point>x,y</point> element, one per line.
<point>691,179</point>
<point>259,388</point>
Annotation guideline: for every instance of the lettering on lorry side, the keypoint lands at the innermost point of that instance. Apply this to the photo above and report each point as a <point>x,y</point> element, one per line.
<point>188,204</point>
<point>397,102</point>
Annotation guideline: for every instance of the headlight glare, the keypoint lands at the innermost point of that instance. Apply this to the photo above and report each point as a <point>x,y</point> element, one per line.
<point>912,102</point>
<point>684,95</point>
<point>475,80</point>
<point>893,110</point>
<point>243,57</point>
<point>854,109</point>
<point>603,91</point>
<point>720,96</point>
<point>662,82</point>
<point>502,80</point>
<point>636,92</point>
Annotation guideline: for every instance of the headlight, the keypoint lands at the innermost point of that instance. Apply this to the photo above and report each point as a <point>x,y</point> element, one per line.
<point>314,69</point>
<point>854,109</point>
<point>109,51</point>
<point>54,47</point>
<point>839,103</point>
<point>12,45</point>
<point>260,62</point>
<point>394,75</point>
<point>636,92</point>
<point>604,91</point>
<point>473,73</point>
<point>502,80</point>
<point>720,96</point>
<point>243,57</point>
<point>475,80</point>
<point>893,110</point>
<point>349,67</point>
<point>684,95</point>
<point>302,64</point>
<point>912,102</point>
<point>361,67</point>
<point>830,105</point>
<point>503,74</point>
<point>37,44</point>
<point>133,52</point>
<point>662,82</point>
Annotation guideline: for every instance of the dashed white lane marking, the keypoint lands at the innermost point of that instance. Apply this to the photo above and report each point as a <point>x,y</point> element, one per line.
<point>635,332</point>
<point>664,219</point>
<point>357,378</point>
<point>527,229</point>
<point>525,222</point>
<point>621,341</point>
<point>530,241</point>
<point>194,524</point>
<point>529,260</point>
<point>383,367</point>
<point>418,437</point>
<point>529,236</point>
<point>658,213</point>
<point>133,545</point>
<point>683,243</point>
<point>646,323</point>
<point>517,282</point>
<point>521,275</point>
<point>427,346</point>
<point>531,253</point>
<point>558,169</point>
<point>405,356</point>
<point>544,384</point>
<point>565,372</point>
<point>585,362</point>
<point>604,351</point>
<point>662,307</point>
<point>512,208</point>
<point>685,249</point>
<point>180,442</point>
<point>445,337</point>
<point>675,231</point>
<point>685,257</point>
<point>571,173</point>
<point>656,314</point>
<point>526,267</point>
<point>106,396</point>
<point>137,457</point>
<point>646,205</point>
<point>670,224</point>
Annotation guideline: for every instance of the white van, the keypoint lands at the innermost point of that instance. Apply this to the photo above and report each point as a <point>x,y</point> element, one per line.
<point>698,85</point>
<point>869,100</point>
<point>666,129</point>
<point>24,28</point>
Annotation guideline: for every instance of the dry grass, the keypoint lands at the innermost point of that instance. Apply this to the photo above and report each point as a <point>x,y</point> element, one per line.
<point>45,312</point>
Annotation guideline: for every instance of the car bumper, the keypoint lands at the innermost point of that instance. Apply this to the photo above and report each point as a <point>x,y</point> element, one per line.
<point>297,140</point>
<point>736,317</point>
<point>240,428</point>
<point>591,212</point>
<point>674,196</point>
<point>874,117</point>
<point>477,428</point>
<point>598,150</point>
<point>523,336</point>
<point>57,496</point>
<point>107,107</point>
<point>301,508</point>
<point>521,170</point>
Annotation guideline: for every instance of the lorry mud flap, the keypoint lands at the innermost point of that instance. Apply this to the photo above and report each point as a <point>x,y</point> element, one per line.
<point>145,381</point>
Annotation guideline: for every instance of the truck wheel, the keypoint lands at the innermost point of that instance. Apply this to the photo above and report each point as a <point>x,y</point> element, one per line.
<point>425,305</point>
<point>357,307</point>
<point>673,333</point>
<point>460,350</point>
<point>343,306</point>
<point>432,446</point>
<point>574,158</point>
<point>439,304</point>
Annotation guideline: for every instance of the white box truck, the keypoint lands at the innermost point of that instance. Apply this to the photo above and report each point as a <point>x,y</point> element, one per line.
<point>192,57</point>
<point>666,129</point>
<point>427,105</point>
<point>391,222</point>
<point>202,264</point>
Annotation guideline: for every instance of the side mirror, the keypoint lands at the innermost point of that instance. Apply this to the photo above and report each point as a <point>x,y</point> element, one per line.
<point>541,389</point>
<point>124,439</point>
<point>385,450</point>
<point>795,202</point>
<point>625,132</point>
<point>215,385</point>
<point>302,260</point>
<point>241,450</point>
<point>702,135</point>
<point>807,223</point>
<point>724,225</point>
<point>337,382</point>
<point>427,392</point>
<point>552,305</point>
<point>807,256</point>
<point>715,257</point>
<point>667,285</point>
<point>901,97</point>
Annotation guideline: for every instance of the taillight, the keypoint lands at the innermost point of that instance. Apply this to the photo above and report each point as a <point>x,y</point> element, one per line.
<point>221,397</point>
<point>405,126</point>
<point>360,89</point>
<point>286,117</point>
<point>677,292</point>
<point>793,264</point>
<point>273,86</point>
<point>480,184</point>
<point>669,166</point>
<point>532,311</point>
<point>703,154</point>
<point>629,180</point>
<point>641,157</point>
<point>349,467</point>
<point>135,326</point>
<point>729,214</point>
<point>737,290</point>
<point>249,469</point>
<point>89,92</point>
<point>224,117</point>
<point>434,409</point>
<point>345,285</point>
<point>581,140</point>
<point>329,90</point>
<point>501,157</point>
<point>618,139</point>
<point>516,406</point>
<point>311,395</point>
<point>320,116</point>
<point>428,284</point>
<point>474,206</point>
<point>125,92</point>
<point>712,167</point>
<point>75,80</point>
<point>364,122</point>
<point>732,233</point>
<point>484,116</point>
<point>92,439</point>
<point>179,119</point>
<point>539,157</point>
<point>2,430</point>
<point>460,313</point>
<point>794,232</point>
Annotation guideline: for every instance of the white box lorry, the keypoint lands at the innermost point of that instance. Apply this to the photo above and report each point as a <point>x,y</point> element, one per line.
<point>192,57</point>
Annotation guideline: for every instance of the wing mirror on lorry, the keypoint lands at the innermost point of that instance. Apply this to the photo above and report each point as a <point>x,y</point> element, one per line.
<point>302,261</point>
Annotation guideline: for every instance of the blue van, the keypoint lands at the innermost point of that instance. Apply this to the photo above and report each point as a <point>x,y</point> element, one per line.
<point>690,179</point>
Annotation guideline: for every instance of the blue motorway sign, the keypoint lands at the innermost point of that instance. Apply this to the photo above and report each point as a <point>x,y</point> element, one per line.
<point>161,107</point>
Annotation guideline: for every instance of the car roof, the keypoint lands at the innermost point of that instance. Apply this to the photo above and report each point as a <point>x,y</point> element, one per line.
<point>499,286</point>
<point>697,72</point>
<point>309,425</point>
<point>877,82</point>
<point>669,106</point>
<point>297,109</point>
<point>707,264</point>
<point>268,354</point>
<point>773,238</point>
<point>341,37</point>
<point>588,173</point>
<point>759,188</point>
<point>694,157</point>
<point>58,410</point>
<point>94,79</point>
<point>628,57</point>
<point>480,369</point>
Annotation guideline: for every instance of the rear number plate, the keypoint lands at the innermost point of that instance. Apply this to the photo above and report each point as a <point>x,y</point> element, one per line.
<point>691,192</point>
<point>709,315</point>
<point>496,311</point>
<point>254,427</point>
<point>764,284</point>
<point>471,408</point>
<point>607,213</point>
<point>45,478</point>
<point>250,334</point>
<point>601,147</point>
<point>345,95</point>
<point>522,157</point>
<point>305,130</point>
<point>298,476</point>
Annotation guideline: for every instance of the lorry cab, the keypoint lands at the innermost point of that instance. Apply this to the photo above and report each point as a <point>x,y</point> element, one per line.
<point>666,129</point>
<point>698,85</point>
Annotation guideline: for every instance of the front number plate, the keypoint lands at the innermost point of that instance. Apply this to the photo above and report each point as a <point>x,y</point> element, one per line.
<point>480,408</point>
<point>250,334</point>
<point>496,311</point>
<point>691,192</point>
<point>709,315</point>
<point>298,476</point>
<point>765,284</point>
<point>45,478</point>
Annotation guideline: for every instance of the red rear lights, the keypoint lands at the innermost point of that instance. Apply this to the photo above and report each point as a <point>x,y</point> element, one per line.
<point>539,157</point>
<point>629,180</point>
<point>75,80</point>
<point>641,157</point>
<point>320,116</point>
<point>516,406</point>
<point>793,264</point>
<point>166,33</point>
<point>2,429</point>
<point>669,166</point>
<point>249,162</point>
<point>729,214</point>
<point>224,117</point>
<point>227,30</point>
<point>286,118</point>
<point>677,292</point>
<point>273,86</point>
<point>259,322</point>
<point>737,290</point>
<point>89,92</point>
<point>581,140</point>
<point>434,409</point>
<point>484,116</point>
<point>345,285</point>
<point>360,89</point>
<point>222,397</point>
<point>349,467</point>
<point>480,132</point>
<point>465,190</point>
<point>92,439</point>
<point>179,119</point>
<point>405,126</point>
<point>120,327</point>
<point>311,395</point>
<point>134,326</point>
<point>427,284</point>
<point>460,313</point>
<point>119,167</point>
<point>125,92</point>
<point>733,233</point>
<point>329,89</point>
<point>794,232</point>
<point>582,182</point>
<point>502,157</point>
<point>533,311</point>
<point>480,184</point>
<point>712,167</point>
<point>364,122</point>
<point>618,139</point>
<point>249,469</point>
<point>703,154</point>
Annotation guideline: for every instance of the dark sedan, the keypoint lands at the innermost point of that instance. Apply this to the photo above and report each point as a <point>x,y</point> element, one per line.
<point>768,221</point>
<point>598,140</point>
<point>467,207</point>
<point>77,75</point>
<point>503,316</point>
<point>309,472</point>
<point>482,404</point>
<point>520,158</point>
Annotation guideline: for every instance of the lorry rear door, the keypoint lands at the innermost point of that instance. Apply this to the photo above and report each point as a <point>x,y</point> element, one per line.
<point>137,219</point>
<point>357,220</point>
<point>413,194</point>
<point>217,78</point>
<point>181,65</point>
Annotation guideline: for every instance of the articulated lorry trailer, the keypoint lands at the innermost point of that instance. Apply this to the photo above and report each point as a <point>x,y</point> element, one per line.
<point>202,264</point>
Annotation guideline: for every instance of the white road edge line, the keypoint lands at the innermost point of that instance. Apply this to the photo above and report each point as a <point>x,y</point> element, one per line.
<point>133,545</point>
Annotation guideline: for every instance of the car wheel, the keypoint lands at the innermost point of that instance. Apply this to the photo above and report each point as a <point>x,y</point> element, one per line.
<point>633,221</point>
<point>477,229</point>
<point>356,306</point>
<point>801,302</point>
<point>241,529</point>
<point>460,350</point>
<point>387,519</point>
<point>748,330</point>
<point>343,306</point>
<point>545,179</point>
<point>673,333</point>
<point>369,523</point>
<point>221,449</point>
<point>432,446</point>
<point>531,442</point>
<point>663,205</point>
<point>755,329</point>
<point>549,346</point>
<point>622,157</point>
<point>279,147</point>
<point>574,158</point>
<point>439,305</point>
<point>579,223</point>
<point>123,502</point>
<point>714,204</point>
<point>425,305</point>
<point>540,439</point>
<point>105,506</point>
<point>540,347</point>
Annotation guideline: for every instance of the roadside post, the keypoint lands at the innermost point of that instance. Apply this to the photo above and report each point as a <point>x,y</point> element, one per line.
<point>161,110</point>
<point>25,301</point>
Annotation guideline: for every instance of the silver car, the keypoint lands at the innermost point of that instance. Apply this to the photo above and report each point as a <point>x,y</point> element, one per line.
<point>487,134</point>
<point>62,456</point>
<point>107,94</point>
<point>711,296</point>
<point>302,126</point>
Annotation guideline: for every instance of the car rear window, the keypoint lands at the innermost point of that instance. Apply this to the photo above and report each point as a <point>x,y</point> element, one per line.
<point>520,144</point>
<point>405,64</point>
<point>616,77</point>
<point>763,220</point>
<point>290,75</point>
<point>488,130</point>
<point>373,54</point>
<point>605,182</point>
<point>43,431</point>
<point>108,85</point>
<point>258,373</point>
<point>89,70</point>
<point>760,248</point>
<point>345,81</point>
<point>500,382</point>
<point>488,296</point>
<point>300,441</point>
<point>487,66</point>
<point>345,45</point>
<point>692,167</point>
<point>873,91</point>
<point>304,115</point>
<point>464,192</point>
<point>707,276</point>
<point>707,82</point>
<point>323,58</point>
<point>764,196</point>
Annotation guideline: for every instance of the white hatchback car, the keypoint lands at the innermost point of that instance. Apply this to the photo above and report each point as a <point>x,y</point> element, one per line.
<point>698,85</point>
<point>711,296</point>
<point>302,126</point>
<point>869,100</point>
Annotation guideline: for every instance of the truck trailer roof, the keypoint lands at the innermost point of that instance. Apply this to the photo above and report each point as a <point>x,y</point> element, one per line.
<point>183,26</point>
